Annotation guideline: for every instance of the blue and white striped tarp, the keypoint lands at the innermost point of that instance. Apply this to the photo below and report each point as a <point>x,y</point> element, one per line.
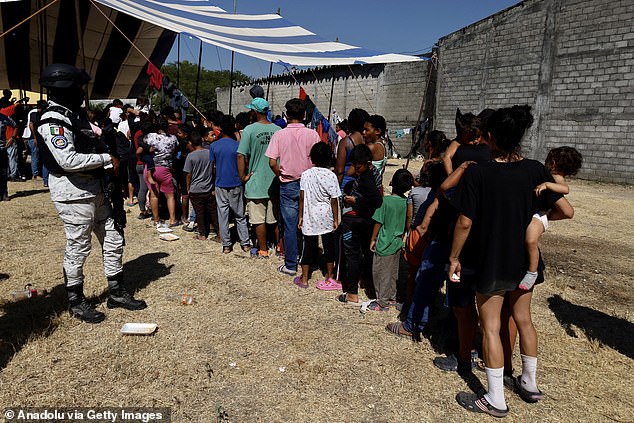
<point>268,37</point>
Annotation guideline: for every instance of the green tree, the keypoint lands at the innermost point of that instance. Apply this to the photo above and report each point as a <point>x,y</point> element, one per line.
<point>209,81</point>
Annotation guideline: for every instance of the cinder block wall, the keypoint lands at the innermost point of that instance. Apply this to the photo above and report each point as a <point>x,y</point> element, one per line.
<point>571,60</point>
<point>394,91</point>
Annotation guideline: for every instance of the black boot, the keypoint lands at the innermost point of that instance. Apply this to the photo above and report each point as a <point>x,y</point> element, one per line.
<point>121,298</point>
<point>80,308</point>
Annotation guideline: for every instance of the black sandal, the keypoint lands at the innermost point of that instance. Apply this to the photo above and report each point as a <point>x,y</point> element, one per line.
<point>395,329</point>
<point>477,404</point>
<point>526,395</point>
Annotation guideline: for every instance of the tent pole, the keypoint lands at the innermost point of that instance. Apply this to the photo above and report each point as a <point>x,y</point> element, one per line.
<point>268,87</point>
<point>332,91</point>
<point>235,8</point>
<point>231,82</point>
<point>80,42</point>
<point>40,39</point>
<point>200,56</point>
<point>178,62</point>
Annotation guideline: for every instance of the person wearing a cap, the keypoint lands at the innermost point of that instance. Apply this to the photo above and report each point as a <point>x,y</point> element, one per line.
<point>254,170</point>
<point>257,91</point>
<point>29,136</point>
<point>77,161</point>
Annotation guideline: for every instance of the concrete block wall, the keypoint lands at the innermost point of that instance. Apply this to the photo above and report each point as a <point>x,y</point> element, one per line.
<point>571,60</point>
<point>394,91</point>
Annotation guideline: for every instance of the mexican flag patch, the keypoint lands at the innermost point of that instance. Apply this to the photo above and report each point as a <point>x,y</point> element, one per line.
<point>57,130</point>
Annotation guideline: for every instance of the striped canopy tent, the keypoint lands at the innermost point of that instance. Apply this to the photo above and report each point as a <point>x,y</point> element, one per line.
<point>119,70</point>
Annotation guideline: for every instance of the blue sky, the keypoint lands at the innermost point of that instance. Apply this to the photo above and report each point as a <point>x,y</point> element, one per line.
<point>397,26</point>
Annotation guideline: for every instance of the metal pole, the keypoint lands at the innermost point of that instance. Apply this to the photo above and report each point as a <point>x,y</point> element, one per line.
<point>332,91</point>
<point>80,41</point>
<point>268,87</point>
<point>231,83</point>
<point>200,56</point>
<point>178,62</point>
<point>235,8</point>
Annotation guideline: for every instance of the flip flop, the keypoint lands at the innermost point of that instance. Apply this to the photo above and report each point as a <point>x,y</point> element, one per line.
<point>395,329</point>
<point>526,395</point>
<point>343,298</point>
<point>328,285</point>
<point>477,404</point>
<point>298,281</point>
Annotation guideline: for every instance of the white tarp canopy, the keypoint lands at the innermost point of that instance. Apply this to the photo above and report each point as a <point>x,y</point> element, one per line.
<point>118,69</point>
<point>267,37</point>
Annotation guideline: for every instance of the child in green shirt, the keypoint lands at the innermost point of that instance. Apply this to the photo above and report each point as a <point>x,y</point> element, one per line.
<point>387,240</point>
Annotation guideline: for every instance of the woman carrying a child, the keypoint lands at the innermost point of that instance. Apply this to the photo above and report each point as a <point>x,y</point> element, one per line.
<point>496,202</point>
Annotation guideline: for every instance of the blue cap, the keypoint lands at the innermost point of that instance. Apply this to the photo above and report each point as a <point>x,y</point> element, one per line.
<point>258,104</point>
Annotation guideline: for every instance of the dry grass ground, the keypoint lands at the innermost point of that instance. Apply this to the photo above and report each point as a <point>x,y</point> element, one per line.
<point>300,356</point>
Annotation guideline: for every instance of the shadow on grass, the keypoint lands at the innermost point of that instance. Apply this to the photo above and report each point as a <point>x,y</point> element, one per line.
<point>23,320</point>
<point>27,193</point>
<point>612,331</point>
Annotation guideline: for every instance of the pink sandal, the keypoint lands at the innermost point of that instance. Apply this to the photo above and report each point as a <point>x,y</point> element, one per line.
<point>329,285</point>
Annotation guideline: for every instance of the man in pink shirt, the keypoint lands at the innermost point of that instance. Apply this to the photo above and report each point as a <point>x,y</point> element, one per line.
<point>291,146</point>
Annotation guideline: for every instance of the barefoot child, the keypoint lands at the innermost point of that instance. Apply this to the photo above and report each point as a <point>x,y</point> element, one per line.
<point>561,162</point>
<point>318,216</point>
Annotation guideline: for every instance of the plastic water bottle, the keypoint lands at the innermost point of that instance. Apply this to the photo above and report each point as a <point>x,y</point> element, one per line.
<point>28,292</point>
<point>187,299</point>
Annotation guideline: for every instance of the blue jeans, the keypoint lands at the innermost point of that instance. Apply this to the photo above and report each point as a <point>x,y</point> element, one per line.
<point>12,152</point>
<point>35,157</point>
<point>4,173</point>
<point>45,175</point>
<point>430,276</point>
<point>289,209</point>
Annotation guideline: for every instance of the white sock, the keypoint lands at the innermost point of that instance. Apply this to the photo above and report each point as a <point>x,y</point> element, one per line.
<point>495,380</point>
<point>529,372</point>
<point>528,281</point>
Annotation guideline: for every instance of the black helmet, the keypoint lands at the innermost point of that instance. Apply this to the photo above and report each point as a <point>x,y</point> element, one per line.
<point>62,75</point>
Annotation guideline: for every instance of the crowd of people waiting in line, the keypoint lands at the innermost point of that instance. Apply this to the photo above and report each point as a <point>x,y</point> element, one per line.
<point>471,217</point>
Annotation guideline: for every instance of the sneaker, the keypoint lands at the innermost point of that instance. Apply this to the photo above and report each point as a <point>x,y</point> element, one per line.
<point>263,255</point>
<point>286,270</point>
<point>122,299</point>
<point>87,313</point>
<point>190,227</point>
<point>451,363</point>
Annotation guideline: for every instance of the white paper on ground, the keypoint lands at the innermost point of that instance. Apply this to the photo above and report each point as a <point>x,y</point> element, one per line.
<point>139,328</point>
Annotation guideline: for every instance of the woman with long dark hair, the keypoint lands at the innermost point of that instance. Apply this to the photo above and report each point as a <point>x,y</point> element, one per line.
<point>496,201</point>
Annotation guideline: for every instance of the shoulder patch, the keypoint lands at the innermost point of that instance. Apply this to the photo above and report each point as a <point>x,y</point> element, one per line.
<point>57,130</point>
<point>59,141</point>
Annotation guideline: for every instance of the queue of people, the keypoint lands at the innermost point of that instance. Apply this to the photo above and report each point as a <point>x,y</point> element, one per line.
<point>470,219</point>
